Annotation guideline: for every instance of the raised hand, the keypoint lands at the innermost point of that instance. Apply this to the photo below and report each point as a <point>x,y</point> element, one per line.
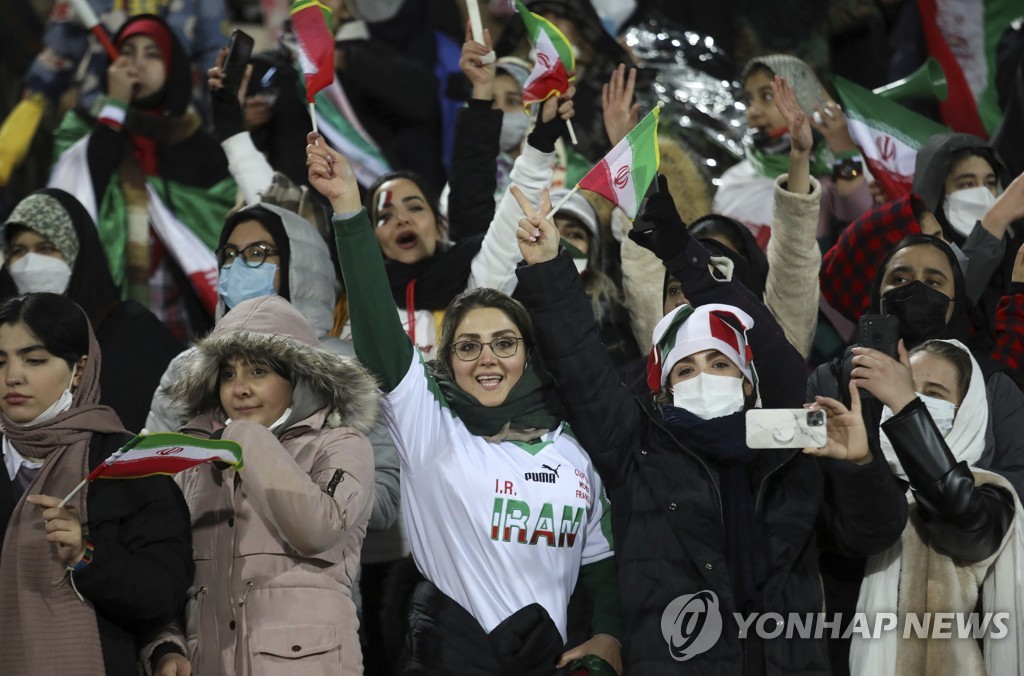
<point>620,113</point>
<point>538,237</point>
<point>889,380</point>
<point>122,77</point>
<point>331,175</point>
<point>796,119</point>
<point>480,74</point>
<point>558,106</point>
<point>1009,207</point>
<point>63,528</point>
<point>847,436</point>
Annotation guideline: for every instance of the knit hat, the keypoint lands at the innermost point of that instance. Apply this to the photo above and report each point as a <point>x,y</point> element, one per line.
<point>688,330</point>
<point>579,208</point>
<point>45,215</point>
<point>810,93</point>
<point>518,69</point>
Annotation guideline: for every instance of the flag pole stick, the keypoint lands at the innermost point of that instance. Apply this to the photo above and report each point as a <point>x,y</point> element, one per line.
<point>561,203</point>
<point>312,116</point>
<point>74,491</point>
<point>572,132</point>
<point>131,443</point>
<point>477,26</point>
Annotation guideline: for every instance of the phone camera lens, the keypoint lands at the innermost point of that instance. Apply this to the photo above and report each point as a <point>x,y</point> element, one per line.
<point>815,418</point>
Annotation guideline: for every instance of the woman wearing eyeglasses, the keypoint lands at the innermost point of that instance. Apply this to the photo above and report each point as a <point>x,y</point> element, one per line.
<point>503,508</point>
<point>264,250</point>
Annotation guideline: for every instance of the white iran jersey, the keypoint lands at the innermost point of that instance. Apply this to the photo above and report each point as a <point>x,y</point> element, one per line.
<point>496,526</point>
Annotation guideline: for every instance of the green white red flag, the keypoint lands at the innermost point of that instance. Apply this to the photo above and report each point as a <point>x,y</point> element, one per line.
<point>310,21</point>
<point>165,453</point>
<point>888,135</point>
<point>555,64</point>
<point>626,172</point>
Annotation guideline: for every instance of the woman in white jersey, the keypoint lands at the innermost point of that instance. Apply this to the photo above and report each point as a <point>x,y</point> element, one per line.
<point>503,508</point>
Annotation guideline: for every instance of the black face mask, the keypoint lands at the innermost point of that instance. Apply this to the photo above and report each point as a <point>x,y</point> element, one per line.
<point>920,309</point>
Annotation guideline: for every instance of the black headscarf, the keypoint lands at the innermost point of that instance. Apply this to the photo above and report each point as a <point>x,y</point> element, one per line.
<point>272,222</point>
<point>750,265</point>
<point>91,285</point>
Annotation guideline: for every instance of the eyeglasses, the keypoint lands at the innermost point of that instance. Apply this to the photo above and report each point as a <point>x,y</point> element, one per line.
<point>503,347</point>
<point>252,256</point>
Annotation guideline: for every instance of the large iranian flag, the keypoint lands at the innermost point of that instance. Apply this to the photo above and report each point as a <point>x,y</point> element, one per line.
<point>166,453</point>
<point>626,172</point>
<point>887,134</point>
<point>310,21</point>
<point>555,65</point>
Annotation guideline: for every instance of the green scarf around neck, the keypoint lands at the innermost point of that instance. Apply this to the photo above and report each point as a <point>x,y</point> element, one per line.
<point>773,165</point>
<point>532,405</point>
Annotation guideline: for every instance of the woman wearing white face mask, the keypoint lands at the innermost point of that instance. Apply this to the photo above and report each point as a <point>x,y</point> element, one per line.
<point>698,510</point>
<point>965,517</point>
<point>52,245</point>
<point>81,584</point>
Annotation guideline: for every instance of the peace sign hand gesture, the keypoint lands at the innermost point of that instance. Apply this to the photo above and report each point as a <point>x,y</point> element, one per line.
<point>538,237</point>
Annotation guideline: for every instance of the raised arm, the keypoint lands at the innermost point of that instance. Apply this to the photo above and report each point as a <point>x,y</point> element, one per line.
<point>794,259</point>
<point>600,408</point>
<point>495,265</point>
<point>377,333</point>
<point>473,175</point>
<point>782,374</point>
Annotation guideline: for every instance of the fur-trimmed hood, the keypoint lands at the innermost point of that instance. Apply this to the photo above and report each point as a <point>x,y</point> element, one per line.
<point>270,329</point>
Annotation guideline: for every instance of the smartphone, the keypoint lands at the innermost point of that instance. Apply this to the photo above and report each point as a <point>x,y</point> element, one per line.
<point>786,428</point>
<point>880,332</point>
<point>239,51</point>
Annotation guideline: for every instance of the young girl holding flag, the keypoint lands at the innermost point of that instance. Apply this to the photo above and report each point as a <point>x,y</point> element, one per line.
<point>82,584</point>
<point>276,544</point>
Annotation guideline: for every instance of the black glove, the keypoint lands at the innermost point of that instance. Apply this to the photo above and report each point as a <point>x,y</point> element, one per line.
<point>658,227</point>
<point>227,114</point>
<point>545,134</point>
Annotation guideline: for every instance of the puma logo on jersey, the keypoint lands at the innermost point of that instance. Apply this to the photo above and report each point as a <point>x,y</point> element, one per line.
<point>549,477</point>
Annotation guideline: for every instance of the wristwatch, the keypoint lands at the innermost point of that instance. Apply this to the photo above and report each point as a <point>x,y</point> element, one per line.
<point>848,168</point>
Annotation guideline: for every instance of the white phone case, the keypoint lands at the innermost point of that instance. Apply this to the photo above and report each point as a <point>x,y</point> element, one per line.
<point>786,428</point>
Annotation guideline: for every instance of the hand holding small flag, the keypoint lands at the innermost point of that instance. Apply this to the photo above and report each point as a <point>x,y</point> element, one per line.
<point>162,453</point>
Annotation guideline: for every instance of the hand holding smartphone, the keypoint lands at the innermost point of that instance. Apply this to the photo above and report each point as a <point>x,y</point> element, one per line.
<point>239,52</point>
<point>786,428</point>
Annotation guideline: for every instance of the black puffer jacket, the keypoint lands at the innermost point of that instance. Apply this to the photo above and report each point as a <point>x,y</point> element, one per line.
<point>667,515</point>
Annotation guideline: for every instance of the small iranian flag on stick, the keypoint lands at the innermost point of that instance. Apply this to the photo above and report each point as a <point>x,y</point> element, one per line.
<point>163,453</point>
<point>626,172</point>
<point>887,134</point>
<point>310,21</point>
<point>555,65</point>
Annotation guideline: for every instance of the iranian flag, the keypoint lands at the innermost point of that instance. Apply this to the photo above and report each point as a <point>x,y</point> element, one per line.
<point>165,453</point>
<point>310,21</point>
<point>555,64</point>
<point>626,172</point>
<point>887,134</point>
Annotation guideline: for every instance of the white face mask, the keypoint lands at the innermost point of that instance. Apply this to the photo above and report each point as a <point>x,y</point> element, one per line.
<point>513,130</point>
<point>942,412</point>
<point>62,404</point>
<point>964,208</point>
<point>280,421</point>
<point>35,273</point>
<point>707,396</point>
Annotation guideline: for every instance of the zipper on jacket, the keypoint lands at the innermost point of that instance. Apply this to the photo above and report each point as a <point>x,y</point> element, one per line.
<point>764,481</point>
<point>718,493</point>
<point>245,594</point>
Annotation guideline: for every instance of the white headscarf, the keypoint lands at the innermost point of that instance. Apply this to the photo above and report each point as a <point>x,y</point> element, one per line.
<point>1003,585</point>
